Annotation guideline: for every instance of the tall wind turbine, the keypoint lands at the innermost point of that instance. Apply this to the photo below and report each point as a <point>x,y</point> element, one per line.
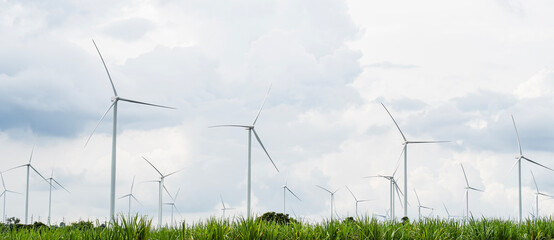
<point>538,193</point>
<point>115,100</point>
<point>224,207</point>
<point>519,157</point>
<point>172,203</point>
<point>251,130</point>
<point>419,206</point>
<point>130,195</point>
<point>332,198</point>
<point>29,166</point>
<point>405,143</point>
<point>467,191</point>
<point>51,181</point>
<point>356,199</point>
<point>285,189</point>
<point>4,193</point>
<point>160,192</point>
<point>393,188</point>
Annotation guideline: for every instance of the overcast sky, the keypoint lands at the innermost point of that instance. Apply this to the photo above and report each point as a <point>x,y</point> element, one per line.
<point>451,70</point>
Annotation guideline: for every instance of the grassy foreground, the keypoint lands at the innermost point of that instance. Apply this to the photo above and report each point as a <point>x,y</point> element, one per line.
<point>365,228</point>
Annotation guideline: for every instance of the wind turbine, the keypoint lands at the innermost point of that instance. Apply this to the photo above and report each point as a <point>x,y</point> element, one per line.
<point>4,193</point>
<point>467,191</point>
<point>538,193</point>
<point>285,189</point>
<point>172,204</point>
<point>405,143</point>
<point>160,192</point>
<point>130,195</point>
<point>419,206</point>
<point>115,100</point>
<point>332,198</point>
<point>29,166</point>
<point>51,182</point>
<point>224,207</point>
<point>448,213</point>
<point>393,188</point>
<point>519,157</point>
<point>356,199</point>
<point>251,130</point>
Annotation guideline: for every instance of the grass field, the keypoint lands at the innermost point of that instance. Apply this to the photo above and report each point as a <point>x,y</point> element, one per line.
<point>364,228</point>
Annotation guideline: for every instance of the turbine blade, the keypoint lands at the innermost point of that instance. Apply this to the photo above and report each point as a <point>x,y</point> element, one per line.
<point>260,111</point>
<point>324,189</point>
<point>172,173</point>
<point>145,103</point>
<point>398,162</point>
<point>14,192</point>
<point>351,193</point>
<point>261,144</point>
<point>31,157</point>
<point>447,213</point>
<point>98,124</point>
<point>517,135</point>
<point>24,165</point>
<point>537,163</point>
<point>479,190</point>
<point>230,125</point>
<point>3,184</point>
<point>133,196</point>
<point>534,181</point>
<point>465,176</point>
<point>132,184</point>
<point>222,203</point>
<point>293,193</point>
<point>401,133</point>
<point>108,72</point>
<point>60,185</point>
<point>418,203</point>
<point>153,166</point>
<point>38,173</point>
<point>127,195</point>
<point>167,191</point>
<point>428,141</point>
<point>365,200</point>
<point>176,194</point>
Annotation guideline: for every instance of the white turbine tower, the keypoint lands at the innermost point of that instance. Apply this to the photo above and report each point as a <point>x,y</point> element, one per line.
<point>5,193</point>
<point>285,189</point>
<point>332,198</point>
<point>224,207</point>
<point>160,192</point>
<point>518,162</point>
<point>538,193</point>
<point>130,195</point>
<point>419,206</point>
<point>467,191</point>
<point>29,166</point>
<point>251,130</point>
<point>405,143</point>
<point>172,203</point>
<point>356,199</point>
<point>115,100</point>
<point>51,182</point>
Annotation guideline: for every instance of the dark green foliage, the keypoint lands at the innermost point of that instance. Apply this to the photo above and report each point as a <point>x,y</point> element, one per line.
<point>278,218</point>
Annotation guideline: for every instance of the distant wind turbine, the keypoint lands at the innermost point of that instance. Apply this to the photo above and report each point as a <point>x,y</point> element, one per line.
<point>285,189</point>
<point>224,207</point>
<point>448,213</point>
<point>356,199</point>
<point>538,193</point>
<point>4,193</point>
<point>115,100</point>
<point>419,206</point>
<point>29,166</point>
<point>467,191</point>
<point>393,188</point>
<point>51,182</point>
<point>251,130</point>
<point>160,192</point>
<point>130,195</point>
<point>172,203</point>
<point>518,162</point>
<point>405,143</point>
<point>332,197</point>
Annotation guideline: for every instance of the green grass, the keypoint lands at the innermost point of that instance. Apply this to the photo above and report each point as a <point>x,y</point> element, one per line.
<point>364,228</point>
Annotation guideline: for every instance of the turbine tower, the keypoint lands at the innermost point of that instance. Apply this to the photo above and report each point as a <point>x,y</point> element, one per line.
<point>405,143</point>
<point>518,161</point>
<point>130,195</point>
<point>285,189</point>
<point>332,198</point>
<point>4,193</point>
<point>160,191</point>
<point>51,182</point>
<point>538,193</point>
<point>356,199</point>
<point>172,203</point>
<point>251,130</point>
<point>467,191</point>
<point>115,100</point>
<point>29,166</point>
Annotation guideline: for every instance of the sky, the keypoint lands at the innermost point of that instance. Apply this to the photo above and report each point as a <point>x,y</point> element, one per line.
<point>453,71</point>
